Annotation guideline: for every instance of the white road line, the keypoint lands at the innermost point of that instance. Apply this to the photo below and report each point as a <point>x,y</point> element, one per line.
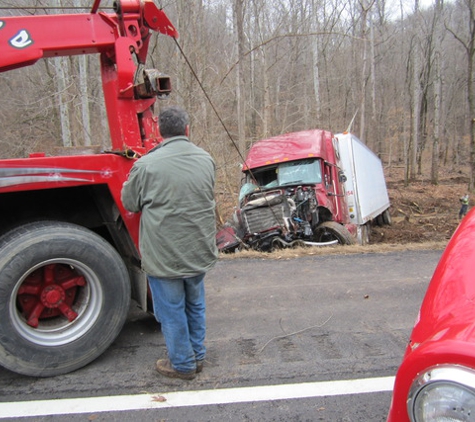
<point>194,398</point>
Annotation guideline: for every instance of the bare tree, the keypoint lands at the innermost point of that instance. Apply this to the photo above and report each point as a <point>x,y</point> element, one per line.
<point>239,31</point>
<point>365,6</point>
<point>437,91</point>
<point>466,37</point>
<point>416,92</point>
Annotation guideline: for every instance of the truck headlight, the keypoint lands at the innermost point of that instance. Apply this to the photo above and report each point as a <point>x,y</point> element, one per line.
<point>442,394</point>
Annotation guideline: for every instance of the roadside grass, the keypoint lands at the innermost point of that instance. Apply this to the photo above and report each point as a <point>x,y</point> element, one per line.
<point>334,250</point>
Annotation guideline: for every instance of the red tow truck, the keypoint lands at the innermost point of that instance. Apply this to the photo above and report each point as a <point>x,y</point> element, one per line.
<point>69,260</point>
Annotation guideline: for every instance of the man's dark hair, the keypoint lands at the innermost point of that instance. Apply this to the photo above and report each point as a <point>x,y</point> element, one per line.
<point>173,121</point>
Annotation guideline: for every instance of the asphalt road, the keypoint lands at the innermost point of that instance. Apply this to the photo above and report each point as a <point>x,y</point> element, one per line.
<point>271,323</point>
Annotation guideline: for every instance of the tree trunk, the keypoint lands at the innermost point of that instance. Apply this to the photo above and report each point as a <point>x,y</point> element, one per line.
<point>375,137</point>
<point>471,90</point>
<point>240,101</point>
<point>315,63</point>
<point>437,93</point>
<point>434,177</point>
<point>62,70</point>
<point>61,76</point>
<point>364,15</point>
<point>83,93</point>
<point>469,46</point>
<point>416,94</point>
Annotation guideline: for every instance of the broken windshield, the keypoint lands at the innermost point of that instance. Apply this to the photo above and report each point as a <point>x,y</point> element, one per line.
<point>299,172</point>
<point>306,171</point>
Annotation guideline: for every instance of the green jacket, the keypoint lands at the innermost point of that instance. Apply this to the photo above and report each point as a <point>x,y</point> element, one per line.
<point>173,187</point>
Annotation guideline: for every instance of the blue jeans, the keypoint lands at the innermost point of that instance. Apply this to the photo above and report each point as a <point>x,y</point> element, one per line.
<point>179,305</point>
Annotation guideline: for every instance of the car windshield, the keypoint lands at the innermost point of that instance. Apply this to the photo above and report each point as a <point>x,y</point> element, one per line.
<point>297,172</point>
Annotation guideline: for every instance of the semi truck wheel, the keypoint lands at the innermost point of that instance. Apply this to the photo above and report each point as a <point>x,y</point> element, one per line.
<point>64,297</point>
<point>387,218</point>
<point>364,234</point>
<point>331,230</point>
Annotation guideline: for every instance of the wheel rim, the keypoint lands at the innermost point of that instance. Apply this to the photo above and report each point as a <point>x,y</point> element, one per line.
<point>328,235</point>
<point>56,302</point>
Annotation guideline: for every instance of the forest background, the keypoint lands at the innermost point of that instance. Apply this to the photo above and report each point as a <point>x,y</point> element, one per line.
<point>401,72</point>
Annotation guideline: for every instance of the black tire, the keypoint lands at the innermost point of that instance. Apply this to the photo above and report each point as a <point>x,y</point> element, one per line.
<point>380,220</point>
<point>60,268</point>
<point>365,231</point>
<point>331,230</point>
<point>387,218</point>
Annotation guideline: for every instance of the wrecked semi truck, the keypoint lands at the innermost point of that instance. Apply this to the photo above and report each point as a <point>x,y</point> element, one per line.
<point>306,188</point>
<point>69,258</point>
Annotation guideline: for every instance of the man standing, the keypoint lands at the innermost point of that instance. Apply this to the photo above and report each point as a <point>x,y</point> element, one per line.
<point>173,187</point>
<point>464,200</point>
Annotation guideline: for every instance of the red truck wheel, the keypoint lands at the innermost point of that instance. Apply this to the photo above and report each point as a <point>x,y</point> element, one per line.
<point>64,297</point>
<point>331,230</point>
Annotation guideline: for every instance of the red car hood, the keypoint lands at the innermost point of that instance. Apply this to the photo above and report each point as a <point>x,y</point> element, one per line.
<point>444,332</point>
<point>448,309</point>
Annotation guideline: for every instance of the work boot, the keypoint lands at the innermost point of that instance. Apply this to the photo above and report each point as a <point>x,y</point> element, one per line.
<point>199,365</point>
<point>164,367</point>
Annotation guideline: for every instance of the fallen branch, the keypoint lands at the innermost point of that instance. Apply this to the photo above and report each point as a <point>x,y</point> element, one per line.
<point>406,217</point>
<point>417,207</point>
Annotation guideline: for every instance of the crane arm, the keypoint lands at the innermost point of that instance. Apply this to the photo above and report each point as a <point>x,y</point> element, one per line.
<point>26,39</point>
<point>130,91</point>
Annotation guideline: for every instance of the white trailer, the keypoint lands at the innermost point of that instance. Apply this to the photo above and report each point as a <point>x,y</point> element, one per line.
<point>365,185</point>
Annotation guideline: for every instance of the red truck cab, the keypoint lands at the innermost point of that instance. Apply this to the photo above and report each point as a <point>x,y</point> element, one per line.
<point>312,148</point>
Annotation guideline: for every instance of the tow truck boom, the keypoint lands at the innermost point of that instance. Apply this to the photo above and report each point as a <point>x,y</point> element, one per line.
<point>129,90</point>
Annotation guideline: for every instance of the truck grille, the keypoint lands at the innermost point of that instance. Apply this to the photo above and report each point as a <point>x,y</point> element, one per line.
<point>260,219</point>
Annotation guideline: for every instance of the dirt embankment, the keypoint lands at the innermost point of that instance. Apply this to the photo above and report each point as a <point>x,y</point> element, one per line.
<point>422,212</point>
